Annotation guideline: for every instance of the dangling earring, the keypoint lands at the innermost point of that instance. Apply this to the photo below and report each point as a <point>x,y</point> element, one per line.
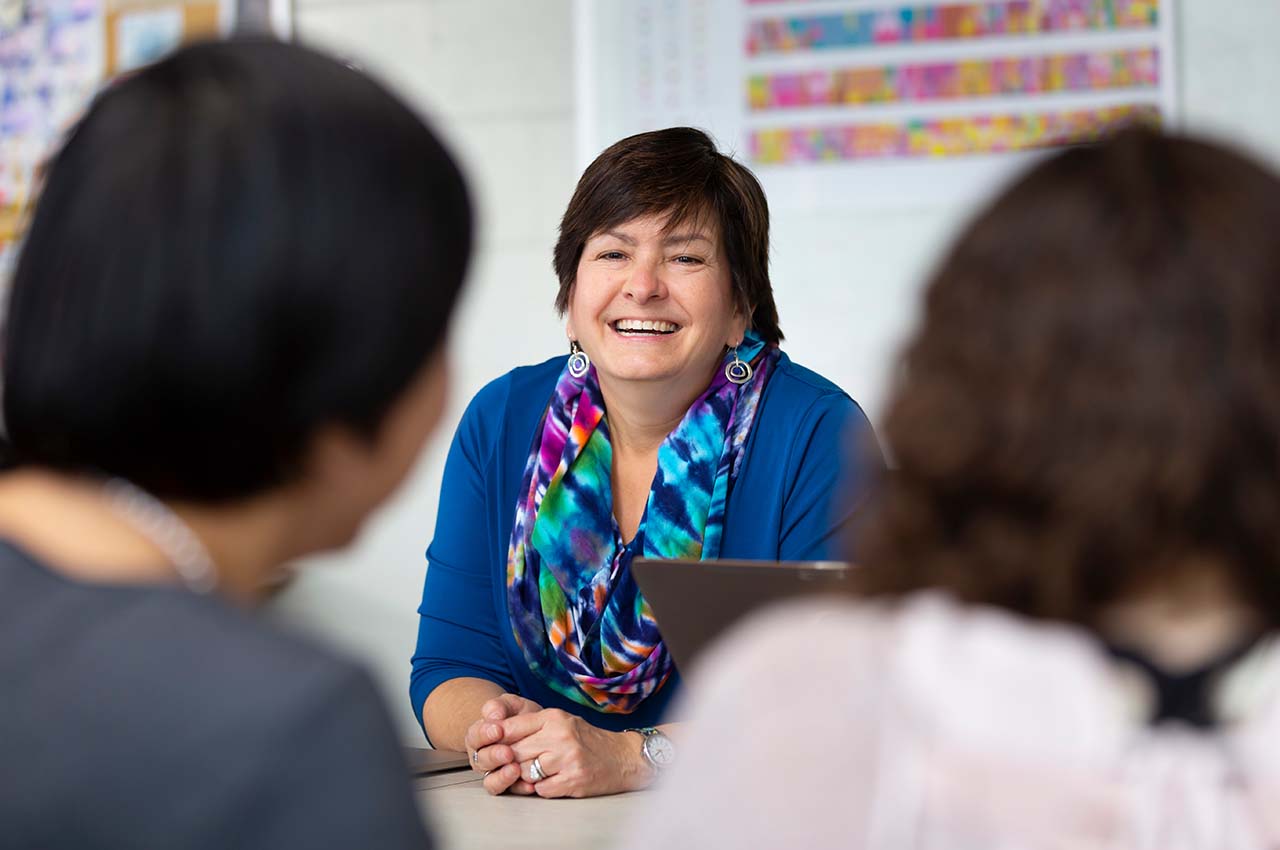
<point>579,362</point>
<point>737,371</point>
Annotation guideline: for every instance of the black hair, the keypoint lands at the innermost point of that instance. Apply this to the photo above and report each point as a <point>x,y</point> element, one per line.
<point>239,244</point>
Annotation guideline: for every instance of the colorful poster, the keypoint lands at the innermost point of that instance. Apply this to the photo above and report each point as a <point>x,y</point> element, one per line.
<point>51,62</point>
<point>55,54</point>
<point>874,103</point>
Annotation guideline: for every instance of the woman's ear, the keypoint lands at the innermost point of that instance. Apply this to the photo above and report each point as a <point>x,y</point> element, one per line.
<point>738,327</point>
<point>567,312</point>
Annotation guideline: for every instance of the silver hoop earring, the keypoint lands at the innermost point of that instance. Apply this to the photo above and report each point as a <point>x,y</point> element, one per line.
<point>579,362</point>
<point>737,371</point>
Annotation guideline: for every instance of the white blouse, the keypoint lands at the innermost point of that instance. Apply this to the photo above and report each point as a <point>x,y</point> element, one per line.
<point>932,725</point>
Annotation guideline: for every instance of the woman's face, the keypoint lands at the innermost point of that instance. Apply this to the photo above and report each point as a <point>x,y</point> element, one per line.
<point>654,306</point>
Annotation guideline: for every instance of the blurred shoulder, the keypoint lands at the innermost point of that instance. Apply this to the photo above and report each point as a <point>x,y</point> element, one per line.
<point>920,635</point>
<point>158,689</point>
<point>970,673</point>
<point>252,706</point>
<point>164,680</point>
<point>232,651</point>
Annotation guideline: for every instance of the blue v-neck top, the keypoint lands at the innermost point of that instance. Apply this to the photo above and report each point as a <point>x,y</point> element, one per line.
<point>810,455</point>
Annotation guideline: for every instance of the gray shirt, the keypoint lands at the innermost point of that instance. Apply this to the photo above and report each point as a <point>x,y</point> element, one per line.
<point>152,717</point>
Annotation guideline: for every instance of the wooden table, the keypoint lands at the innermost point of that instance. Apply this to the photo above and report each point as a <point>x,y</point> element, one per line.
<point>463,816</point>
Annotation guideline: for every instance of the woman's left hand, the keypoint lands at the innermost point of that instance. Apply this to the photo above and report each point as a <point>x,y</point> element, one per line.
<point>577,759</point>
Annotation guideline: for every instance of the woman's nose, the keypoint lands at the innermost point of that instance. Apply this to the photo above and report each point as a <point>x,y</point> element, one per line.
<point>644,283</point>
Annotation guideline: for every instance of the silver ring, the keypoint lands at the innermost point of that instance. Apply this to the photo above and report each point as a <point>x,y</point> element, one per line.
<point>536,773</point>
<point>475,757</point>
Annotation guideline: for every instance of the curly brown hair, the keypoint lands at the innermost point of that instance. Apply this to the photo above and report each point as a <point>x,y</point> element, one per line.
<point>1094,394</point>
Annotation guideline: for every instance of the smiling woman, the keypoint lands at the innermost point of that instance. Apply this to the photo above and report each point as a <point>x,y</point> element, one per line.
<point>676,428</point>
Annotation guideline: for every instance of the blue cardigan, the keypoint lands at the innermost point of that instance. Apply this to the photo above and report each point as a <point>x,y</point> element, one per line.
<point>789,502</point>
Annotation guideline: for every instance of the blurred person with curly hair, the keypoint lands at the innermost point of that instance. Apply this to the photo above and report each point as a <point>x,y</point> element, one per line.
<point>1070,585</point>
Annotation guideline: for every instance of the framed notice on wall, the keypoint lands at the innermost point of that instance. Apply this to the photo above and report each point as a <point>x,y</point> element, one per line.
<point>874,103</point>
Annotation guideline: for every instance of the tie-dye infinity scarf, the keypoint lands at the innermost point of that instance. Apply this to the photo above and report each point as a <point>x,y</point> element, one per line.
<point>575,609</point>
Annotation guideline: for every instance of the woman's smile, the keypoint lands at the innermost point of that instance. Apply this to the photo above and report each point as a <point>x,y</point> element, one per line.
<point>643,328</point>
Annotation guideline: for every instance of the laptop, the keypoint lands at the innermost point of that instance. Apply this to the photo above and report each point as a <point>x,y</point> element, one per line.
<point>695,601</point>
<point>423,761</point>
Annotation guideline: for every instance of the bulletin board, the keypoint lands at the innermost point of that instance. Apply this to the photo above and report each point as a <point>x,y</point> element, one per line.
<point>54,55</point>
<point>874,103</point>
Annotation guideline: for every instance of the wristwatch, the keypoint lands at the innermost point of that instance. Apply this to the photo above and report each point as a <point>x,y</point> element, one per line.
<point>659,750</point>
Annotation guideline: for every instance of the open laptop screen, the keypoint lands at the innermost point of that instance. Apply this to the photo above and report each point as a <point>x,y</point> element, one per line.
<point>695,601</point>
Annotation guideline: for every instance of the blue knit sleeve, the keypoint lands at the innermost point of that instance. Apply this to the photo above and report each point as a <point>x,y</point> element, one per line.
<point>458,631</point>
<point>834,462</point>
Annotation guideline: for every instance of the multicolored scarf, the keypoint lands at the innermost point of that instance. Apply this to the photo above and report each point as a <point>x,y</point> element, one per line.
<point>576,612</point>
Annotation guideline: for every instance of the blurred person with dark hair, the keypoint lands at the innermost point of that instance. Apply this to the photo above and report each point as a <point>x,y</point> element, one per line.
<point>1072,582</point>
<point>224,347</point>
<point>675,428</point>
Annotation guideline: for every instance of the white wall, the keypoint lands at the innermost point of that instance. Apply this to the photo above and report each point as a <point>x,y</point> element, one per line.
<point>496,76</point>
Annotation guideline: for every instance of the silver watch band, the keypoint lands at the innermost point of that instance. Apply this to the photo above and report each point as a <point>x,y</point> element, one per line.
<point>648,732</point>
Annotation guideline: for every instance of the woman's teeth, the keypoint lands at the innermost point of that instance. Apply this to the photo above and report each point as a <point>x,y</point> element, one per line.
<point>644,326</point>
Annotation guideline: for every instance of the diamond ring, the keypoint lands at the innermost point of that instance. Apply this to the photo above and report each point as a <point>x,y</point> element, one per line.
<point>536,773</point>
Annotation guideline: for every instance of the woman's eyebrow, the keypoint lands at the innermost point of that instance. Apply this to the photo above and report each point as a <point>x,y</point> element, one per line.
<point>620,236</point>
<point>680,238</point>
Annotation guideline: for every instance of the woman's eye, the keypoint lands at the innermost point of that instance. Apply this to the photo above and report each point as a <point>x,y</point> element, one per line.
<point>611,255</point>
<point>686,260</point>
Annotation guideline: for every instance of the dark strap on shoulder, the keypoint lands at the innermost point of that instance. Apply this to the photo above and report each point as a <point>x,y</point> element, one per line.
<point>1185,697</point>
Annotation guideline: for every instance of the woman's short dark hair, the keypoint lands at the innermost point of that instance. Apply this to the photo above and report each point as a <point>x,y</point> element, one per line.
<point>239,244</point>
<point>677,173</point>
<point>1093,399</point>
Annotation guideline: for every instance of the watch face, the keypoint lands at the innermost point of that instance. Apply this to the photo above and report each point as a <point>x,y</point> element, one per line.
<point>660,750</point>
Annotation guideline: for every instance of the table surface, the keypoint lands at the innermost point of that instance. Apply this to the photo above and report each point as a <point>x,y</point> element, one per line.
<point>463,816</point>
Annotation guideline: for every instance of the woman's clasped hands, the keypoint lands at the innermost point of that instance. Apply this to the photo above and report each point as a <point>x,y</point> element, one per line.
<point>523,748</point>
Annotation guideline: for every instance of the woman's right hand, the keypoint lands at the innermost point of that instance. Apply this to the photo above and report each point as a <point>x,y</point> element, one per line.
<point>497,761</point>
